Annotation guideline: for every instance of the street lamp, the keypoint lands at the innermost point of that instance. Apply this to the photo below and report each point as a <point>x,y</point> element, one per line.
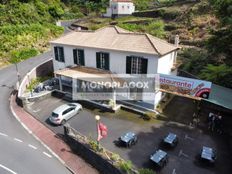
<point>97,118</point>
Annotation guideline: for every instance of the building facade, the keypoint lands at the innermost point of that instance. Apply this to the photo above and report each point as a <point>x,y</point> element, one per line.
<point>109,51</point>
<point>119,8</point>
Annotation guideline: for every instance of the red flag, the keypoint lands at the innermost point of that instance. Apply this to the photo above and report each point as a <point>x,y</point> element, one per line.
<point>102,131</point>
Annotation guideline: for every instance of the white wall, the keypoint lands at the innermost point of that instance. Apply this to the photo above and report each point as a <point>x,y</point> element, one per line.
<point>165,63</point>
<point>120,8</point>
<point>117,59</point>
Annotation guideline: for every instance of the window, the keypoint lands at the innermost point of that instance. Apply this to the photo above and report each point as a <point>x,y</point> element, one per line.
<point>59,54</point>
<point>67,111</point>
<point>102,60</point>
<point>136,65</point>
<point>79,57</point>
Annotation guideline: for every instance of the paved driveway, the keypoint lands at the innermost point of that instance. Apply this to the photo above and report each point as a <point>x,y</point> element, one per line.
<point>182,159</point>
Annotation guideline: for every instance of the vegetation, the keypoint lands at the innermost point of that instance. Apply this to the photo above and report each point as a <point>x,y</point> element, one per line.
<point>146,171</point>
<point>26,26</point>
<point>126,166</point>
<point>213,62</point>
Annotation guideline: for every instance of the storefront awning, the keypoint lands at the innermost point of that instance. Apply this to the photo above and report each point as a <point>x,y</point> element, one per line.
<point>90,74</point>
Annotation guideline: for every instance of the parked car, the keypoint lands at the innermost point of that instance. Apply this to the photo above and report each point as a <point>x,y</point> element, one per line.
<point>64,112</point>
<point>208,154</point>
<point>159,158</point>
<point>171,140</point>
<point>128,139</point>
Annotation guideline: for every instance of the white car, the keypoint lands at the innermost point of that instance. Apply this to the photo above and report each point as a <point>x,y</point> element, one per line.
<point>64,112</point>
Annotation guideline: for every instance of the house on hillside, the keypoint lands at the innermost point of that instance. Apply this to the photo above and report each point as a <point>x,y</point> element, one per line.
<point>119,8</point>
<point>84,56</point>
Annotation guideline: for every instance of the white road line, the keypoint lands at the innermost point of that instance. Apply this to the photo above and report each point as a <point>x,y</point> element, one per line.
<point>31,146</point>
<point>47,154</point>
<point>3,134</point>
<point>7,169</point>
<point>174,171</point>
<point>16,139</point>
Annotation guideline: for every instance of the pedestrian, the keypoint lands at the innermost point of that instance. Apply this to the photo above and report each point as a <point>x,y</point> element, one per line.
<point>210,118</point>
<point>213,123</point>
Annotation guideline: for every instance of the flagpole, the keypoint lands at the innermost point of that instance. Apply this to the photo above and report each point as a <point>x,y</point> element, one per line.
<point>97,118</point>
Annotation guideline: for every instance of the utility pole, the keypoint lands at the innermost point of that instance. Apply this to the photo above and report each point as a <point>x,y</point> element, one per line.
<point>18,76</point>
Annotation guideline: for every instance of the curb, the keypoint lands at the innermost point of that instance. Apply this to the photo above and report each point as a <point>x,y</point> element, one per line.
<point>41,142</point>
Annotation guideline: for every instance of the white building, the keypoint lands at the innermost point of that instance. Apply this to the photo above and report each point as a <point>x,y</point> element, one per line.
<point>108,51</point>
<point>119,8</point>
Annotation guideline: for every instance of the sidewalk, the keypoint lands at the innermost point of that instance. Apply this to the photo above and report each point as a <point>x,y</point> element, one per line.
<point>49,139</point>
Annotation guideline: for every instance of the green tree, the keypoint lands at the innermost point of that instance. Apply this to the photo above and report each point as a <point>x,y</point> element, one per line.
<point>221,41</point>
<point>219,74</point>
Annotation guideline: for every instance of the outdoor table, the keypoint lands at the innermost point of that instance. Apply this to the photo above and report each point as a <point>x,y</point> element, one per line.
<point>171,139</point>
<point>208,154</point>
<point>160,158</point>
<point>128,138</point>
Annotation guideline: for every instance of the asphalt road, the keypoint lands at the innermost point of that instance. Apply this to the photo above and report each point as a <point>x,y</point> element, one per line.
<point>20,152</point>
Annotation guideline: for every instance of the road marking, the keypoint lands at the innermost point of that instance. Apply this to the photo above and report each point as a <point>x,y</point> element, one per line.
<point>31,146</point>
<point>16,139</point>
<point>174,171</point>
<point>3,134</point>
<point>182,153</point>
<point>187,137</point>
<point>7,169</point>
<point>47,154</point>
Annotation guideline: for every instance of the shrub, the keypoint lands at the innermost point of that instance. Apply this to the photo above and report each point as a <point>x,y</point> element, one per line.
<point>146,171</point>
<point>148,115</point>
<point>156,28</point>
<point>131,27</point>
<point>126,166</point>
<point>115,157</point>
<point>93,145</point>
<point>22,54</point>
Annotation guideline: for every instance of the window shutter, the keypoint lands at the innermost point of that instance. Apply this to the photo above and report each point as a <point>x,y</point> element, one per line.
<point>144,66</point>
<point>107,61</point>
<point>75,56</point>
<point>128,64</point>
<point>98,60</point>
<point>56,53</point>
<point>61,54</point>
<point>81,57</point>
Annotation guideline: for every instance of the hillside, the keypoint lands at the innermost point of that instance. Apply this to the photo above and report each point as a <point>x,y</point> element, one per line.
<point>204,27</point>
<point>26,26</point>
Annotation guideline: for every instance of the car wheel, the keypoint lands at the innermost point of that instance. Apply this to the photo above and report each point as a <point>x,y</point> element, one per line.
<point>63,122</point>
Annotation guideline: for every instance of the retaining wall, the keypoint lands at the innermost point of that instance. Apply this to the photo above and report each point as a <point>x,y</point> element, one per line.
<point>76,143</point>
<point>42,70</point>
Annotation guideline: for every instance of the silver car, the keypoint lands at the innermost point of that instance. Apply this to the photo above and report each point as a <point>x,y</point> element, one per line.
<point>64,112</point>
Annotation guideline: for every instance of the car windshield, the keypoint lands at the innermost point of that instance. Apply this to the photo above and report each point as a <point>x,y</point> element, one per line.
<point>54,114</point>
